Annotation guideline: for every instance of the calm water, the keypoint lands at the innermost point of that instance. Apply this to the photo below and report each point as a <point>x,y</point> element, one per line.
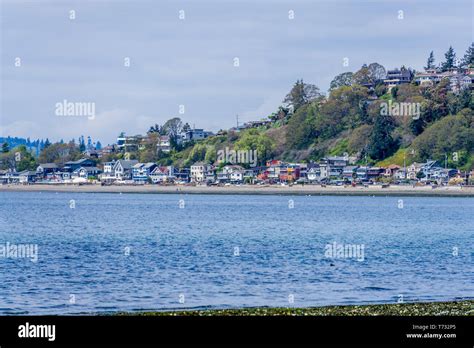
<point>190,253</point>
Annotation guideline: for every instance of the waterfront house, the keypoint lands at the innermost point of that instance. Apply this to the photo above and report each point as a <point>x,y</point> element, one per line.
<point>27,177</point>
<point>47,170</point>
<point>374,173</point>
<point>332,167</point>
<point>413,170</point>
<point>401,174</point>
<point>349,173</point>
<point>362,173</point>
<point>85,172</point>
<point>289,172</point>
<point>199,171</point>
<point>314,174</point>
<point>123,169</point>
<point>225,174</point>
<point>210,174</point>
<point>3,176</point>
<point>71,166</point>
<point>391,171</point>
<point>251,174</point>
<point>141,171</point>
<point>274,167</point>
<point>162,174</point>
<point>108,174</point>
<point>182,175</point>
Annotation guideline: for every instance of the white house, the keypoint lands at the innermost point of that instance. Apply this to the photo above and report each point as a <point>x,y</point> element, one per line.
<point>199,171</point>
<point>164,144</point>
<point>123,169</point>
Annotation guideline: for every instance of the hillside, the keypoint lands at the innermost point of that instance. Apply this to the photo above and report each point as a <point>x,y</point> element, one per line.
<point>351,121</point>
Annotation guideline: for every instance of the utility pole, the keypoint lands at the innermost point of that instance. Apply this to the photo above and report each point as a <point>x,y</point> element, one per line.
<point>237,118</point>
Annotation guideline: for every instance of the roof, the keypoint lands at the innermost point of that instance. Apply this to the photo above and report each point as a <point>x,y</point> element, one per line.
<point>82,160</point>
<point>199,164</point>
<point>127,164</point>
<point>88,169</point>
<point>27,172</point>
<point>48,165</point>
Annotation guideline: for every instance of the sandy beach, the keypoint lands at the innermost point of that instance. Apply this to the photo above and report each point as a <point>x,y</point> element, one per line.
<point>467,191</point>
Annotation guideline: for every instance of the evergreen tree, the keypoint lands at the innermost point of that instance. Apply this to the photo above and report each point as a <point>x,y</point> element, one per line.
<point>98,146</point>
<point>301,94</point>
<point>46,143</point>
<point>5,147</point>
<point>468,59</point>
<point>450,61</point>
<point>82,145</point>
<point>381,144</point>
<point>430,63</point>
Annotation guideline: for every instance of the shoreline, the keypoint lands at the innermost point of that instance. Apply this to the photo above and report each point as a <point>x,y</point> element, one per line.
<point>454,308</point>
<point>454,191</point>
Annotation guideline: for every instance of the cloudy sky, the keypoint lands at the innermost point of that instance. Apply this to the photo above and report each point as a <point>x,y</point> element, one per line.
<point>190,61</point>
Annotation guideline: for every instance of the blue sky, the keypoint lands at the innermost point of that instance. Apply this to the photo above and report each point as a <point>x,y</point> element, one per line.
<point>190,62</point>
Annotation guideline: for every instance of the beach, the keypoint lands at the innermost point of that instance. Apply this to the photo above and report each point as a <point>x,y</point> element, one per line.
<point>464,308</point>
<point>458,191</point>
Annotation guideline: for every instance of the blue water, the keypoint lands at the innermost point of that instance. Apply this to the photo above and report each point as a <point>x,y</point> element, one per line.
<point>189,253</point>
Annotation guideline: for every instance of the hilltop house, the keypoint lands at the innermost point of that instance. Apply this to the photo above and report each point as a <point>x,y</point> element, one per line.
<point>397,77</point>
<point>196,134</point>
<point>164,144</point>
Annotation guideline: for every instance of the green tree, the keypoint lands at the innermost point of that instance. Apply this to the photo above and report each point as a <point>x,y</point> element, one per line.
<point>252,140</point>
<point>5,147</point>
<point>430,63</point>
<point>173,128</point>
<point>450,60</point>
<point>344,79</point>
<point>301,94</point>
<point>468,59</point>
<point>381,144</point>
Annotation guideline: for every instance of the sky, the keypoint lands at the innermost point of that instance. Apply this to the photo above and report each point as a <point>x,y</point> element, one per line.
<point>183,54</point>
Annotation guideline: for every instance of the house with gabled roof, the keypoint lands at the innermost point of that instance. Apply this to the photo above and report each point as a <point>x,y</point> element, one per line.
<point>123,169</point>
